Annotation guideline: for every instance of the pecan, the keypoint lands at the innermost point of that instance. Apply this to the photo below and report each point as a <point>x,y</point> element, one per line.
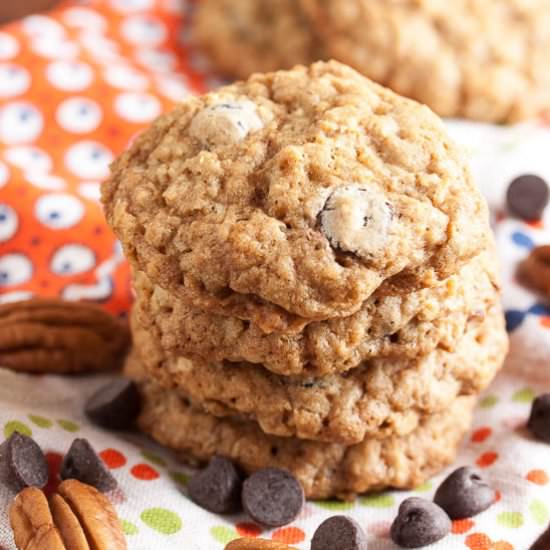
<point>56,336</point>
<point>78,517</point>
<point>535,270</point>
<point>257,544</point>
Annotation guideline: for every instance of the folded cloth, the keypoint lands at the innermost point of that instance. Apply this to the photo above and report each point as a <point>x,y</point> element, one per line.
<point>76,86</point>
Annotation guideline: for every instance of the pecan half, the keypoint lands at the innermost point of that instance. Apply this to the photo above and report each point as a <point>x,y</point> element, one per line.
<point>78,517</point>
<point>56,336</point>
<point>257,544</point>
<point>534,271</point>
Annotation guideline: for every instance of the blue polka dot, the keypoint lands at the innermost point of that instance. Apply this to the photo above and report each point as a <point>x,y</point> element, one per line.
<point>539,309</point>
<point>521,239</point>
<point>514,318</point>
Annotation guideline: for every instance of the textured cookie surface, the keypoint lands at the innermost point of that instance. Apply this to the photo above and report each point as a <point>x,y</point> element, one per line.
<point>405,325</point>
<point>295,195</point>
<point>241,37</point>
<point>480,59</point>
<point>377,399</point>
<point>324,469</point>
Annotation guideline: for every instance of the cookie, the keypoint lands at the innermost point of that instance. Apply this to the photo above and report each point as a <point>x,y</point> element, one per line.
<point>324,469</point>
<point>403,326</point>
<point>379,398</point>
<point>295,195</point>
<point>480,59</point>
<point>241,37</point>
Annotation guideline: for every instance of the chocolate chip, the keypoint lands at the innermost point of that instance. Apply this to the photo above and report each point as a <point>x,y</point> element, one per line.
<point>539,419</point>
<point>217,488</point>
<point>114,406</point>
<point>81,462</point>
<point>418,523</point>
<point>340,532</point>
<point>543,542</point>
<point>272,496</point>
<point>464,494</point>
<point>527,197</point>
<point>23,463</point>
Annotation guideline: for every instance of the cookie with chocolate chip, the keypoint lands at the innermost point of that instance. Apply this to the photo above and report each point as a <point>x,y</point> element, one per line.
<point>402,327</point>
<point>378,399</point>
<point>293,197</point>
<point>323,469</point>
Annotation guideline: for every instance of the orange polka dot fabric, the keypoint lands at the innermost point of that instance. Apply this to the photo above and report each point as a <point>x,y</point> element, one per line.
<point>76,86</point>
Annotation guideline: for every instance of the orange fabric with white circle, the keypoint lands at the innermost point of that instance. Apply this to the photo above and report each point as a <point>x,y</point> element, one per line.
<point>76,85</point>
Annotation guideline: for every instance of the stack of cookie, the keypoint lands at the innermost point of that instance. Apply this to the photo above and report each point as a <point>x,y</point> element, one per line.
<point>315,280</point>
<point>480,59</point>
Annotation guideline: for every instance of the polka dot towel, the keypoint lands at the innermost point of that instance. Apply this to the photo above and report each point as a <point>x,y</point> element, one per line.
<point>76,86</point>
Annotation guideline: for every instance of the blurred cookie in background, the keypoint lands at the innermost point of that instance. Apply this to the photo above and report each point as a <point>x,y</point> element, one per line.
<point>242,37</point>
<point>479,59</point>
<point>10,10</point>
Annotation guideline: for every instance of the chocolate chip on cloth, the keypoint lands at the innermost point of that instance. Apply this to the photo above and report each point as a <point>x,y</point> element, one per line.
<point>341,532</point>
<point>114,406</point>
<point>217,488</point>
<point>534,271</point>
<point>539,419</point>
<point>464,494</point>
<point>527,197</point>
<point>419,522</point>
<point>22,463</point>
<point>272,497</point>
<point>81,462</point>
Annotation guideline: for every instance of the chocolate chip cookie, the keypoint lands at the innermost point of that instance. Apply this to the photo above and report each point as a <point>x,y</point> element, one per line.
<point>296,194</point>
<point>381,397</point>
<point>480,59</point>
<point>241,37</point>
<point>404,326</point>
<point>324,469</point>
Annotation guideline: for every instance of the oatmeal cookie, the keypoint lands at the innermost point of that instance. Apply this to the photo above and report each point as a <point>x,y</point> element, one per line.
<point>381,397</point>
<point>404,326</point>
<point>295,195</point>
<point>324,469</point>
<point>480,59</point>
<point>241,37</point>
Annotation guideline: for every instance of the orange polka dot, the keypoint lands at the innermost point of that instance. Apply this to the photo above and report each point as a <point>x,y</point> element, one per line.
<point>481,434</point>
<point>462,526</point>
<point>248,529</point>
<point>536,224</point>
<point>498,495</point>
<point>289,535</point>
<point>54,461</point>
<point>540,477</point>
<point>487,459</point>
<point>478,541</point>
<point>144,472</point>
<point>545,322</point>
<point>113,458</point>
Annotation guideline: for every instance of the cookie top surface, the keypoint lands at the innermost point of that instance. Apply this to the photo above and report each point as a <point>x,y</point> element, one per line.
<point>480,59</point>
<point>295,194</point>
<point>402,326</point>
<point>242,37</point>
<point>380,398</point>
<point>324,469</point>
